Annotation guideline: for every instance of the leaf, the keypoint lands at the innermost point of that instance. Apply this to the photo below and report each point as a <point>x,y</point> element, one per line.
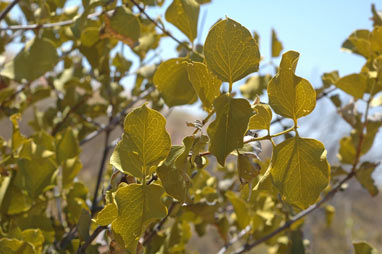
<point>173,172</point>
<point>289,95</point>
<point>123,25</point>
<point>172,81</point>
<point>184,15</point>
<point>347,152</point>
<point>11,246</point>
<point>247,169</point>
<point>35,59</point>
<point>70,170</point>
<point>364,248</point>
<point>67,146</point>
<point>145,143</point>
<point>358,43</point>
<point>205,84</point>
<point>353,84</point>
<point>255,86</point>
<point>262,118</point>
<point>231,52</point>
<point>138,205</point>
<point>300,170</point>
<point>226,132</point>
<point>364,177</point>
<point>329,212</point>
<point>277,46</point>
<point>89,36</point>
<point>107,215</point>
<point>241,210</point>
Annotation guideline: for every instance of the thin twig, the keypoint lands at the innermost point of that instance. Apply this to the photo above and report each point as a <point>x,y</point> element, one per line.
<point>12,96</point>
<point>91,238</point>
<point>116,119</point>
<point>234,240</point>
<point>7,9</point>
<point>142,10</point>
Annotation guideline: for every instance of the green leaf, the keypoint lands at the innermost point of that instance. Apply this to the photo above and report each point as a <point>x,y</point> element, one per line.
<point>226,132</point>
<point>123,25</point>
<point>353,84</point>
<point>172,81</point>
<point>173,172</point>
<point>89,36</point>
<point>358,43</point>
<point>255,86</point>
<point>145,143</point>
<point>364,248</point>
<point>138,205</point>
<point>289,95</point>
<point>205,84</point>
<point>231,52</point>
<point>38,57</point>
<point>242,216</point>
<point>70,170</point>
<point>67,146</point>
<point>262,118</point>
<point>107,215</point>
<point>184,15</point>
<point>376,40</point>
<point>300,170</point>
<point>12,246</point>
<point>347,152</point>
<point>247,169</point>
<point>277,46</point>
<point>364,176</point>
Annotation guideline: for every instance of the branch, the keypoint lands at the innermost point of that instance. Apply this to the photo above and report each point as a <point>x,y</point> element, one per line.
<point>8,9</point>
<point>91,238</point>
<point>142,10</point>
<point>116,119</point>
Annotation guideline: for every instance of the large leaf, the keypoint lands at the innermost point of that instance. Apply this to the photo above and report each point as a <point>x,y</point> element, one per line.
<point>138,205</point>
<point>145,143</point>
<point>300,170</point>
<point>206,84</point>
<point>230,50</point>
<point>172,81</point>
<point>353,84</point>
<point>184,15</point>
<point>289,95</point>
<point>38,57</point>
<point>226,132</point>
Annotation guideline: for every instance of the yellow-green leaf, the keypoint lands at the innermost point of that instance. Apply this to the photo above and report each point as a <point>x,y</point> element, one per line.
<point>145,143</point>
<point>172,81</point>
<point>300,170</point>
<point>353,84</point>
<point>277,46</point>
<point>364,176</point>
<point>206,84</point>
<point>184,15</point>
<point>138,205</point>
<point>262,118</point>
<point>247,169</point>
<point>358,43</point>
<point>67,146</point>
<point>255,86</point>
<point>230,50</point>
<point>364,248</point>
<point>107,215</point>
<point>12,246</point>
<point>289,95</point>
<point>329,212</point>
<point>226,132</point>
<point>241,209</point>
<point>38,57</point>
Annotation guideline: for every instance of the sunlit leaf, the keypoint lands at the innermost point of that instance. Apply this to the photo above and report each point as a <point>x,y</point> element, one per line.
<point>262,118</point>
<point>353,84</point>
<point>277,46</point>
<point>364,176</point>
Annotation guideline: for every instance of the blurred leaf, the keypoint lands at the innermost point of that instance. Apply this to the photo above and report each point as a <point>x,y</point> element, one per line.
<point>241,210</point>
<point>145,143</point>
<point>231,52</point>
<point>358,43</point>
<point>262,118</point>
<point>300,170</point>
<point>255,86</point>
<point>12,246</point>
<point>329,212</point>
<point>353,84</point>
<point>172,81</point>
<point>289,95</point>
<point>67,146</point>
<point>364,248</point>
<point>137,205</point>
<point>364,176</point>
<point>226,132</point>
<point>184,15</point>
<point>70,170</point>
<point>277,46</point>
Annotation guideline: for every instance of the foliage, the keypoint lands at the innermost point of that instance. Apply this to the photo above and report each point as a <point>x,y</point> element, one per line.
<point>73,61</point>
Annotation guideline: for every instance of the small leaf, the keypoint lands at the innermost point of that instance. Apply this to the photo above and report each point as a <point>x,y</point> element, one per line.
<point>38,57</point>
<point>67,146</point>
<point>289,95</point>
<point>184,15</point>
<point>300,170</point>
<point>242,216</point>
<point>231,52</point>
<point>353,84</point>
<point>226,132</point>
<point>205,84</point>
<point>247,169</point>
<point>277,46</point>
<point>138,205</point>
<point>364,248</point>
<point>262,118</point>
<point>358,43</point>
<point>364,176</point>
<point>145,143</point>
<point>329,212</point>
<point>255,86</point>
<point>172,81</point>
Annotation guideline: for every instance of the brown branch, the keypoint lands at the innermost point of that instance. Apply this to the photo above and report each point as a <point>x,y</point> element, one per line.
<point>91,238</point>
<point>7,9</point>
<point>142,10</point>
